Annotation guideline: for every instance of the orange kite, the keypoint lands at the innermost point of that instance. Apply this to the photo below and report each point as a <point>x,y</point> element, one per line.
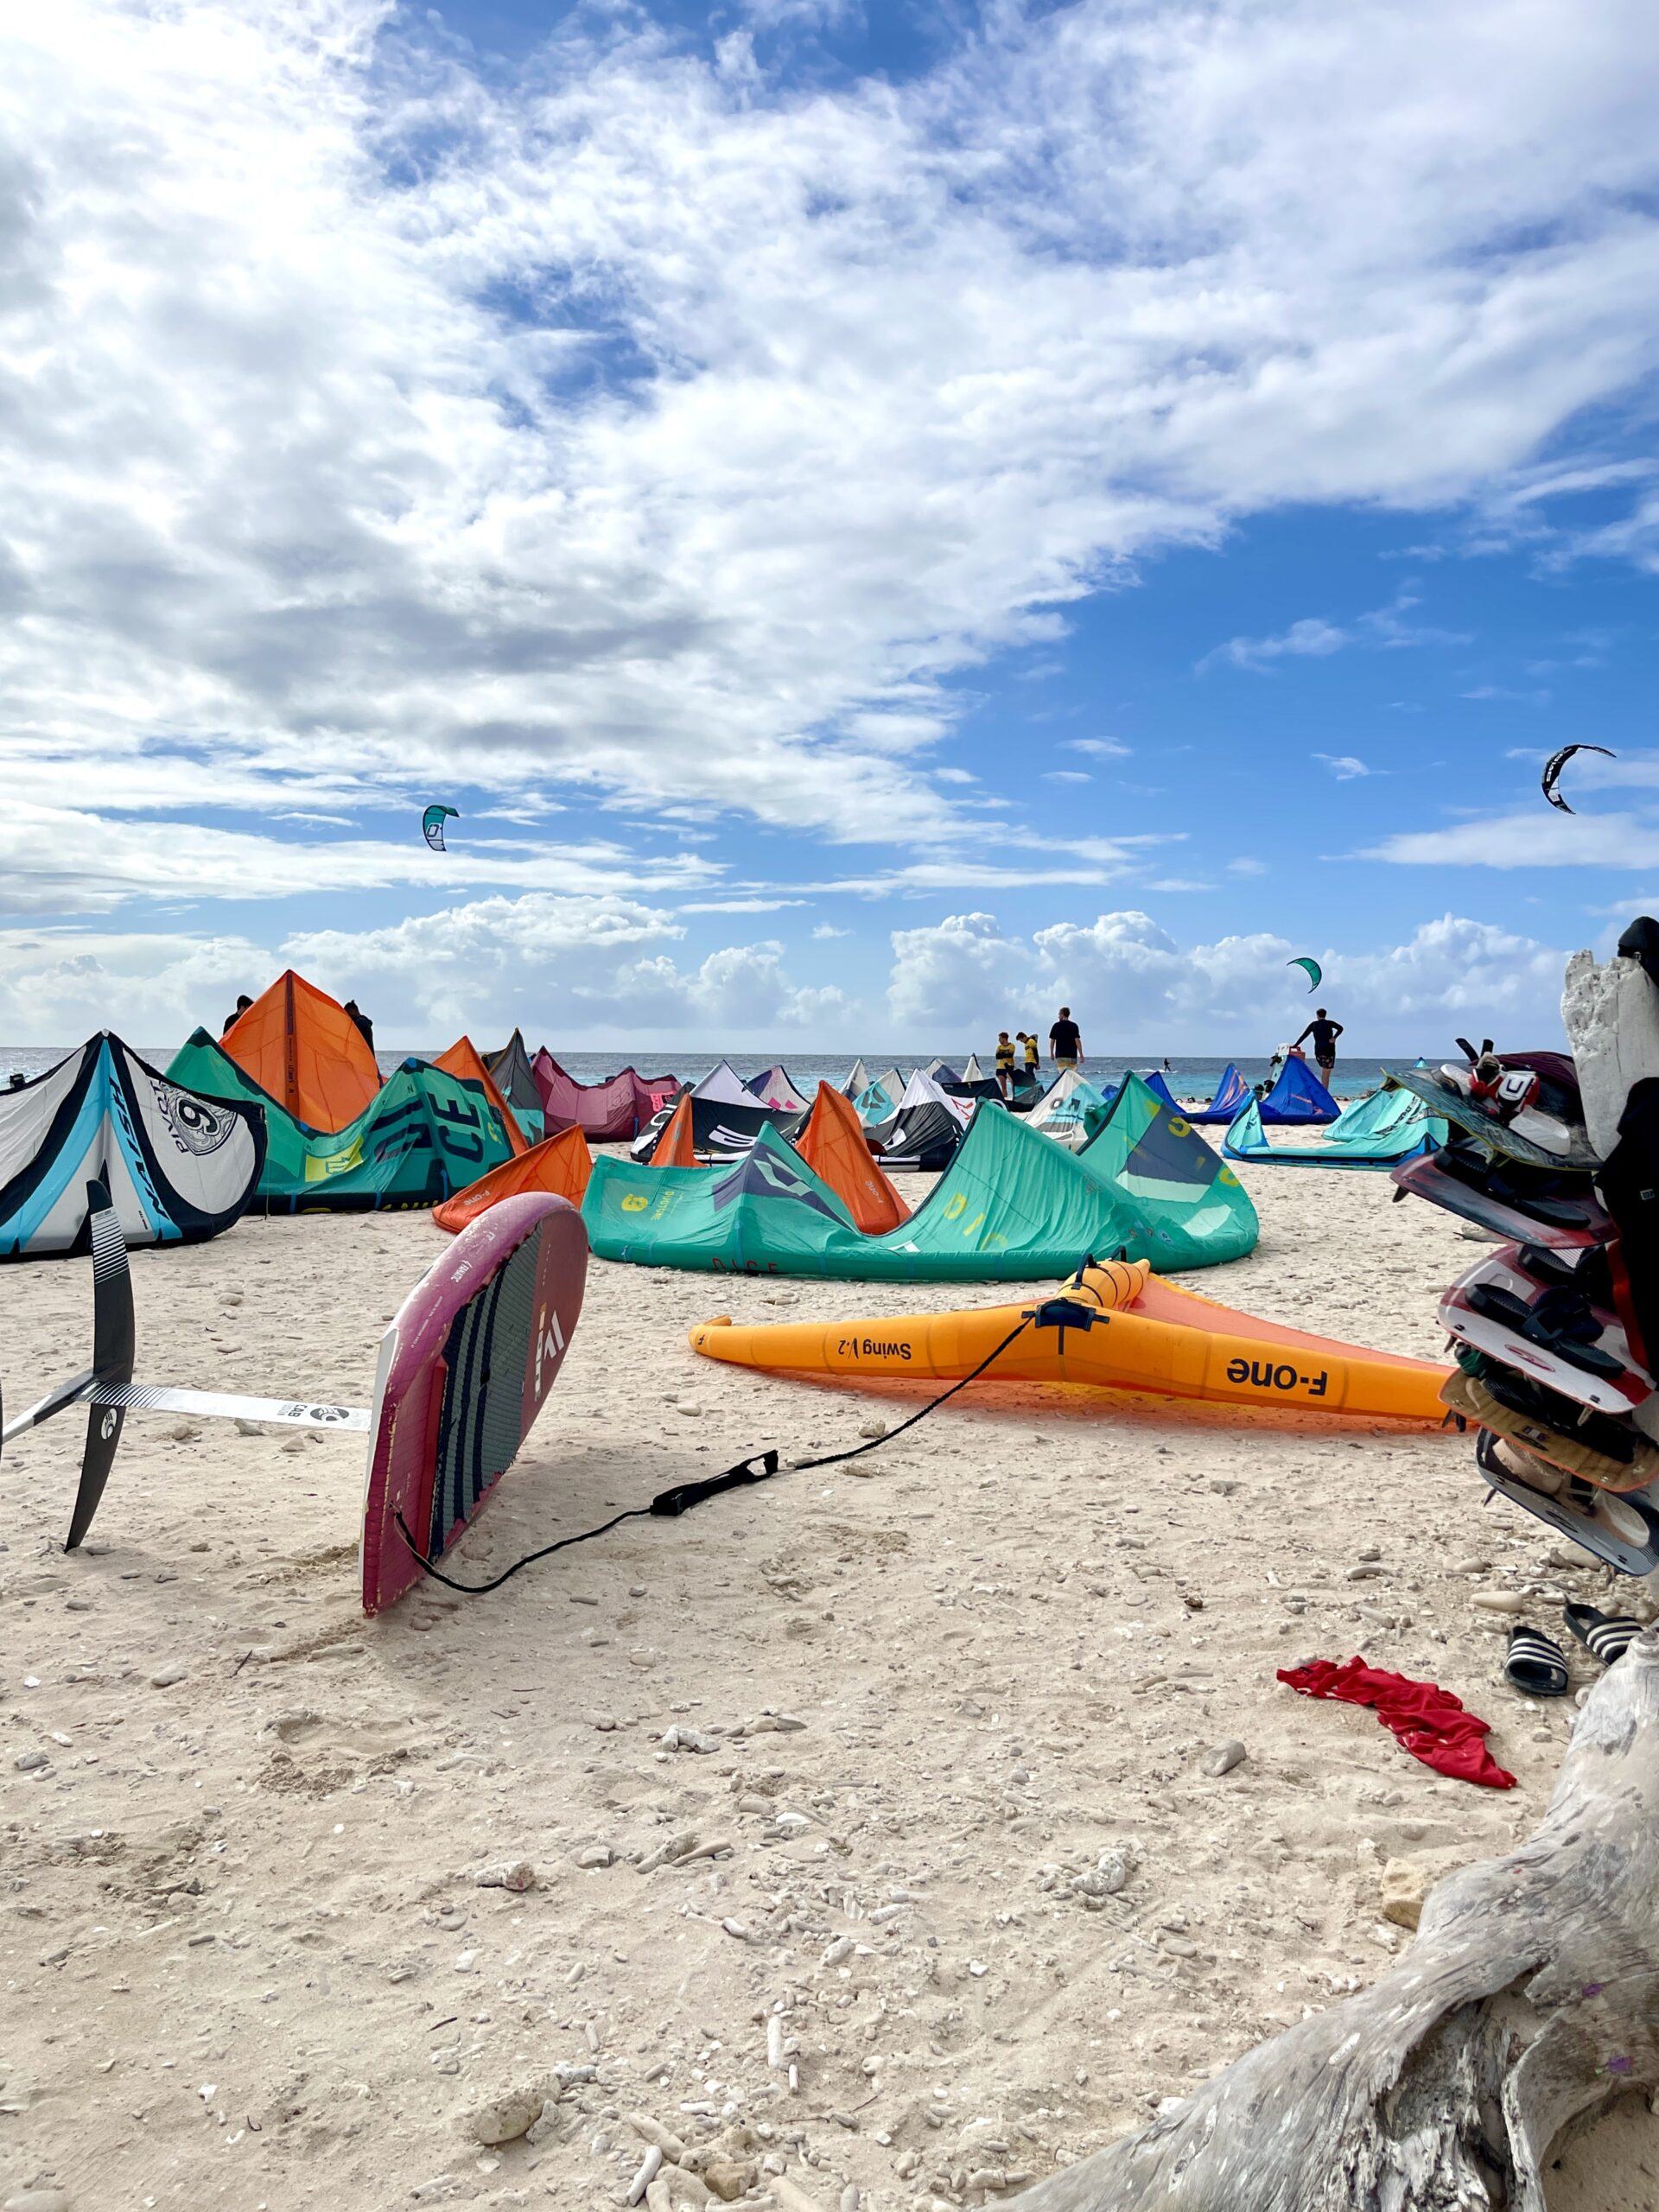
<point>560,1164</point>
<point>303,1047</point>
<point>463,1060</point>
<point>832,1145</point>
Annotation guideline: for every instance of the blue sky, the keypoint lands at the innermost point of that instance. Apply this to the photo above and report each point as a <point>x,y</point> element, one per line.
<point>881,520</point>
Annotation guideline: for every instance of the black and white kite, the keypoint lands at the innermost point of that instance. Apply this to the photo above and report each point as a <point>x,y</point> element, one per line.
<point>1555,764</point>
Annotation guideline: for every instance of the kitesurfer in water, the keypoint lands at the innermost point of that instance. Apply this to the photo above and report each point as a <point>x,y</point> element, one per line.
<point>1325,1033</point>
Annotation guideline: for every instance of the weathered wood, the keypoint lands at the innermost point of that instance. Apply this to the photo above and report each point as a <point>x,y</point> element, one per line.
<point>1529,1999</point>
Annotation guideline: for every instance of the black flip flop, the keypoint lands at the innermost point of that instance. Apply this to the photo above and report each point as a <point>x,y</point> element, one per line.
<point>1536,1664</point>
<point>1606,1636</point>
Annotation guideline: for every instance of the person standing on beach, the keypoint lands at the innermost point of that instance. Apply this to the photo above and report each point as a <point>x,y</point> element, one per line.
<point>1004,1062</point>
<point>1032,1054</point>
<point>364,1026</point>
<point>1066,1041</point>
<point>1325,1033</point>
<point>242,1005</point>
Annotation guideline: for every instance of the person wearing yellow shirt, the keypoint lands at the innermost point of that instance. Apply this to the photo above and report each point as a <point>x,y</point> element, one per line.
<point>1004,1062</point>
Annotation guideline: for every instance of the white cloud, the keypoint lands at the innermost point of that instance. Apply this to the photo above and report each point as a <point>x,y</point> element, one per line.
<point>58,859</point>
<point>1344,767</point>
<point>826,930</point>
<point>577,967</point>
<point>605,972</point>
<point>1133,988</point>
<point>1244,865</point>
<point>1531,837</point>
<point>639,426</point>
<point>1311,638</point>
<point>1065,776</point>
<point>1103,748</point>
<point>737,906</point>
<point>1385,629</point>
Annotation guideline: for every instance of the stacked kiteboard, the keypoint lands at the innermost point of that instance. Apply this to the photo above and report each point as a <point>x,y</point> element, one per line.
<point>1554,1371</point>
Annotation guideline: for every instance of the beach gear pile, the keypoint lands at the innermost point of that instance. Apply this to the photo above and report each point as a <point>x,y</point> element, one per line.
<point>1555,1330</point>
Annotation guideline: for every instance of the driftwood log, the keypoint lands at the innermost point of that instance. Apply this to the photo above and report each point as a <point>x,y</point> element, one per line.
<point>1528,2000</point>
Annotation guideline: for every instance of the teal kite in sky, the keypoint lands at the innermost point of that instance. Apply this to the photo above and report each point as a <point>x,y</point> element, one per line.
<point>432,824</point>
<point>1312,970</point>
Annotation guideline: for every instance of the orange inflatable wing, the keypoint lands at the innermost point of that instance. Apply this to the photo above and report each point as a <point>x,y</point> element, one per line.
<point>304,1048</point>
<point>461,1059</point>
<point>560,1164</point>
<point>832,1145</point>
<point>674,1147</point>
<point>1156,1341</point>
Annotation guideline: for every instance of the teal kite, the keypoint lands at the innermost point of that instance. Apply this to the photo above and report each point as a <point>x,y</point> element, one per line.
<point>432,824</point>
<point>1312,970</point>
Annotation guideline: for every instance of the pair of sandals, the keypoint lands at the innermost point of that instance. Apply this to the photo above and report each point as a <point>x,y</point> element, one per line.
<point>1536,1664</point>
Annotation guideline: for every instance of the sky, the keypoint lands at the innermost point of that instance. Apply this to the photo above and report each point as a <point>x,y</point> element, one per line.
<point>881,518</point>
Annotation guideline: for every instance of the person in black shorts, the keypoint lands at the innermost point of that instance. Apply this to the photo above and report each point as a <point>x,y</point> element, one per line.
<point>1066,1041</point>
<point>1325,1033</point>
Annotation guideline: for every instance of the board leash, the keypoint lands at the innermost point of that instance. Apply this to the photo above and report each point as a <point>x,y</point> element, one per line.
<point>1060,1313</point>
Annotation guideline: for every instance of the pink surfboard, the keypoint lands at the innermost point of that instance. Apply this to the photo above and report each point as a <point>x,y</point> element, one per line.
<point>471,1354</point>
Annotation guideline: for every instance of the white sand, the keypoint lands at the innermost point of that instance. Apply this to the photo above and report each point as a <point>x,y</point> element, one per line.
<point>245,1957</point>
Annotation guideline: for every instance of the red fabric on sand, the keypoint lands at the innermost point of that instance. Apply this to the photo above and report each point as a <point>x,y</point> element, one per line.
<point>1428,1721</point>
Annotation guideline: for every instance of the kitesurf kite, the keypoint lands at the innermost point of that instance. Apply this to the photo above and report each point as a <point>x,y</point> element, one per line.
<point>1555,764</point>
<point>432,824</point>
<point>1312,970</point>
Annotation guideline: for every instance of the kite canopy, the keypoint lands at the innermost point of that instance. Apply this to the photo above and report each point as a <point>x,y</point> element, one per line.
<point>726,1117</point>
<point>925,1128</point>
<point>1009,1204</point>
<point>832,1145</point>
<point>1312,970</point>
<point>776,1089</point>
<point>179,1167</point>
<point>1070,1111</point>
<point>612,1112</point>
<point>1194,1212</point>
<point>561,1165</point>
<point>858,1079</point>
<point>1372,1133</point>
<point>1555,764</point>
<point>875,1102</point>
<point>1154,1082</point>
<point>463,1060</point>
<point>427,1135</point>
<point>675,1144</point>
<point>1232,1094</point>
<point>511,1068</point>
<point>302,1048</point>
<point>1298,1096</point>
<point>432,824</point>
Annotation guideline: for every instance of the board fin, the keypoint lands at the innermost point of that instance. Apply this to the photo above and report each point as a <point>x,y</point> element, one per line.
<point>114,1339</point>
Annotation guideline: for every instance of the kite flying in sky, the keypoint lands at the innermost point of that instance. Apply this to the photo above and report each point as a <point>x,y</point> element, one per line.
<point>1555,764</point>
<point>432,824</point>
<point>1312,970</point>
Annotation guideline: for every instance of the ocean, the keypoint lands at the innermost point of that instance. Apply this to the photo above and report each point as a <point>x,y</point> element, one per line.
<point>1189,1075</point>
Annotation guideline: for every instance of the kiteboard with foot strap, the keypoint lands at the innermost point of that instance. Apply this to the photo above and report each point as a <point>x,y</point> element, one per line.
<point>464,1366</point>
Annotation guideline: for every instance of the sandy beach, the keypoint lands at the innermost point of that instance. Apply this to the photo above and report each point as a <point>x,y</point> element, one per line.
<point>932,1890</point>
